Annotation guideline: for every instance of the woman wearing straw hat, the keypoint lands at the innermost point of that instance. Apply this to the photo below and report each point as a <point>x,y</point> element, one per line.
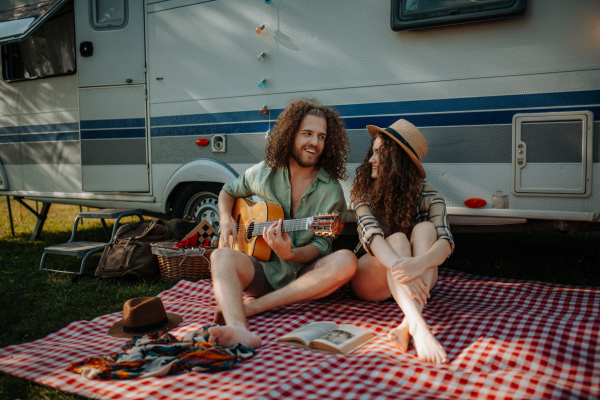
<point>403,227</point>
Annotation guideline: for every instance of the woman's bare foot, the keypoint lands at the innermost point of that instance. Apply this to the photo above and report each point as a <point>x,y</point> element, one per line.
<point>427,346</point>
<point>228,336</point>
<point>400,336</point>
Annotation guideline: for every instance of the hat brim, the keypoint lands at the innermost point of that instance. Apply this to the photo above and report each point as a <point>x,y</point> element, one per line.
<point>375,130</point>
<point>117,329</point>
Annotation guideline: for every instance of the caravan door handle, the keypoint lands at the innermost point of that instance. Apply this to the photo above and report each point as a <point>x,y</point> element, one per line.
<point>521,154</point>
<point>86,49</point>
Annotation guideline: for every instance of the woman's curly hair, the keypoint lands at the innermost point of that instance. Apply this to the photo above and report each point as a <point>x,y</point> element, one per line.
<point>395,192</point>
<point>282,138</point>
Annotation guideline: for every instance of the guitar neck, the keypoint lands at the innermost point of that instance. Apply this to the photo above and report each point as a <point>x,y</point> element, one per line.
<point>289,225</point>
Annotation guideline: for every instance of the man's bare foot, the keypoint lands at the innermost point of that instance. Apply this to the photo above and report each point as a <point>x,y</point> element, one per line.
<point>400,336</point>
<point>427,346</point>
<point>228,336</point>
<point>249,311</point>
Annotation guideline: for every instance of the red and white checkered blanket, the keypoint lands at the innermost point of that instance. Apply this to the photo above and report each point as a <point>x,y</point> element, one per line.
<point>505,339</point>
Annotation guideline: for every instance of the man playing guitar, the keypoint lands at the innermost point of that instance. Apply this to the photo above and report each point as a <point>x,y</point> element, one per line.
<point>305,157</point>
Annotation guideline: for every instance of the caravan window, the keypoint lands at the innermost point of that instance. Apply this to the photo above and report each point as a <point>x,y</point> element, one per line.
<point>417,14</point>
<point>108,14</point>
<point>48,51</point>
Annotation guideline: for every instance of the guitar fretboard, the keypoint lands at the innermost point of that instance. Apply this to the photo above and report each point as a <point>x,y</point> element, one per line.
<point>289,225</point>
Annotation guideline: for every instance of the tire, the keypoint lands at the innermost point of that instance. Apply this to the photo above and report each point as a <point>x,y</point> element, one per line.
<point>199,201</point>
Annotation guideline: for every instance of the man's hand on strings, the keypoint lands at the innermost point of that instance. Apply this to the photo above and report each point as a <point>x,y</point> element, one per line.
<point>228,229</point>
<point>279,241</point>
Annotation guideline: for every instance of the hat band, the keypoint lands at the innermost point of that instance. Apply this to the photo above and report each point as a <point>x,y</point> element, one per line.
<point>404,142</point>
<point>145,328</point>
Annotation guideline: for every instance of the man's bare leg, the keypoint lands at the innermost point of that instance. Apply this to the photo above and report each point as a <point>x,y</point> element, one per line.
<point>232,271</point>
<point>329,274</point>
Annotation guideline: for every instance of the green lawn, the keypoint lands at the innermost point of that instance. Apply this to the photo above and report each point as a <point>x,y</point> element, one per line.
<point>35,303</point>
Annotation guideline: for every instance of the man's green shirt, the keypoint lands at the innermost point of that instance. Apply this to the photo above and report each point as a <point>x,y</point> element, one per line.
<point>324,195</point>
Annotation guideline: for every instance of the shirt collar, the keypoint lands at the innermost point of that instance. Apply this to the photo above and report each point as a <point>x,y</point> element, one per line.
<point>323,175</point>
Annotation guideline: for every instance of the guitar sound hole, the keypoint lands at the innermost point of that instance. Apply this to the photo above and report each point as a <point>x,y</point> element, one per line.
<point>249,232</point>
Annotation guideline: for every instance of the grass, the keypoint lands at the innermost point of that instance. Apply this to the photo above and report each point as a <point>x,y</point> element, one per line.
<point>36,303</point>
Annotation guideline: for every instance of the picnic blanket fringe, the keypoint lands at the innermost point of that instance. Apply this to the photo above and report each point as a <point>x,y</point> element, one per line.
<point>160,354</point>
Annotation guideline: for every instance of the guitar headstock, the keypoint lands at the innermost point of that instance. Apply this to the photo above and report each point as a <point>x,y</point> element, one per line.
<point>327,224</point>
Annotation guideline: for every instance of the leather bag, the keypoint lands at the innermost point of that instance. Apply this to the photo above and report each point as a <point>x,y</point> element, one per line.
<point>180,227</point>
<point>130,254</point>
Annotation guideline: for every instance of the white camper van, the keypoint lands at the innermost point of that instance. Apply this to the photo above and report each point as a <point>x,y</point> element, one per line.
<point>154,104</point>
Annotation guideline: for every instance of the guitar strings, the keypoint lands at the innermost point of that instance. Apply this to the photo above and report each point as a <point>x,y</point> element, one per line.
<point>288,226</point>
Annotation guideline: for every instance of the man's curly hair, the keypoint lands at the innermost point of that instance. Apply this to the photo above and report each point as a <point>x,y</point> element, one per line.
<point>282,138</point>
<point>395,192</point>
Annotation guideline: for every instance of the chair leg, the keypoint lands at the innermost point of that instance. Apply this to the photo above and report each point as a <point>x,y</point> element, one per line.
<point>89,253</point>
<point>42,262</point>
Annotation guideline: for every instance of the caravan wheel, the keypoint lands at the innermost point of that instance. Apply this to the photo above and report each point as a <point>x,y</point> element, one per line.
<point>199,201</point>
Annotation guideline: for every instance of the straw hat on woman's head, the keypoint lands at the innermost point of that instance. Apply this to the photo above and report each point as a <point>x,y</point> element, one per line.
<point>409,137</point>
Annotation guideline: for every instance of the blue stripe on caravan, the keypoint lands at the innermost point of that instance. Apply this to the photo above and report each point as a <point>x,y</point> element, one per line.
<point>452,119</point>
<point>40,137</point>
<point>444,112</point>
<point>421,120</point>
<point>215,118</point>
<point>47,128</point>
<point>10,139</point>
<point>114,123</point>
<point>591,97</point>
<point>50,137</point>
<point>250,127</point>
<point>113,134</point>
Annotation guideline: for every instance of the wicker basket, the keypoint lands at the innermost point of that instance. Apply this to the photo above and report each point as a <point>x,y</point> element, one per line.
<point>176,263</point>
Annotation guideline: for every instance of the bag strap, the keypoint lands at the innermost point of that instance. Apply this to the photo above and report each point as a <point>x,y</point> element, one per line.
<point>129,228</point>
<point>149,228</point>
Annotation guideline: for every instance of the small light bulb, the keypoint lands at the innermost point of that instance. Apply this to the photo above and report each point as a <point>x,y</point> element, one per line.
<point>260,29</point>
<point>261,56</point>
<point>267,1</point>
<point>263,110</point>
<point>262,83</point>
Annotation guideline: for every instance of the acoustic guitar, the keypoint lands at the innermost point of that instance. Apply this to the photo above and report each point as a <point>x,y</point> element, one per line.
<point>251,218</point>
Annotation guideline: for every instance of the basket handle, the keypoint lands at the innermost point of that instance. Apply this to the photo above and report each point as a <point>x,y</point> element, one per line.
<point>201,250</point>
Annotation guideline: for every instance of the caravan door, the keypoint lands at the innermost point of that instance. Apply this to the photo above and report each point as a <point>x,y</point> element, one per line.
<point>112,95</point>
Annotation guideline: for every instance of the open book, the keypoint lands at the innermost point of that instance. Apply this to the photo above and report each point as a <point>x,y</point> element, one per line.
<point>328,336</point>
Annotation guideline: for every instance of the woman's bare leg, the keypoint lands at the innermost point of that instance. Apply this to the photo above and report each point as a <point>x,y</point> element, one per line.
<point>374,282</point>
<point>427,346</point>
<point>371,283</point>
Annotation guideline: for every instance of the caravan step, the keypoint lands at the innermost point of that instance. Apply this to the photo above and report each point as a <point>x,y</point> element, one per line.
<point>76,249</point>
<point>109,213</point>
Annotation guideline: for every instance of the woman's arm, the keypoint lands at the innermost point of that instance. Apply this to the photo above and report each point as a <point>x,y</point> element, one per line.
<point>408,268</point>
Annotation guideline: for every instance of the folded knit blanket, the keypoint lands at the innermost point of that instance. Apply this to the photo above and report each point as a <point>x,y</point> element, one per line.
<point>161,354</point>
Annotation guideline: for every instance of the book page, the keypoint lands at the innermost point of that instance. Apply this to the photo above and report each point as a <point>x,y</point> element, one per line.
<point>309,332</point>
<point>345,339</point>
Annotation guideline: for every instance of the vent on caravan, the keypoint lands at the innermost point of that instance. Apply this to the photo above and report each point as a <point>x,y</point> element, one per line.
<point>552,154</point>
